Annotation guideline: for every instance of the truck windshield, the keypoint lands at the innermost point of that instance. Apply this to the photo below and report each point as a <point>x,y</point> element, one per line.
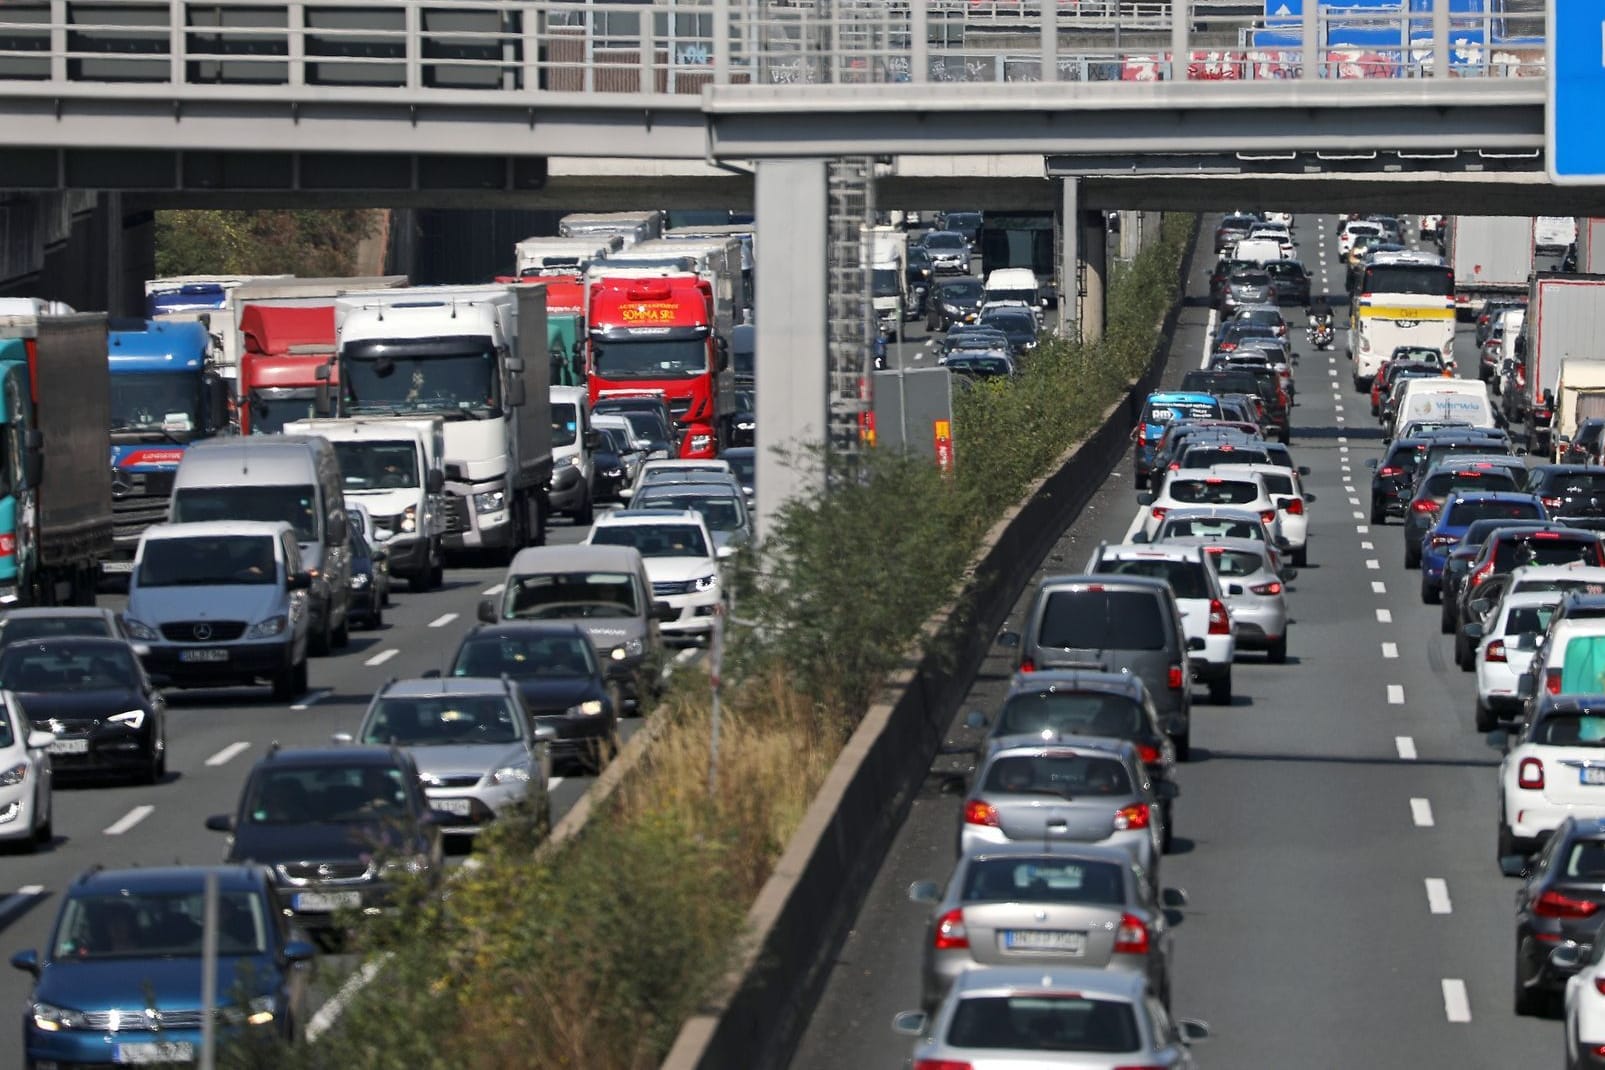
<point>369,465</point>
<point>884,282</point>
<point>272,408</point>
<point>649,358</point>
<point>208,561</point>
<point>296,506</point>
<point>144,401</point>
<point>449,381</point>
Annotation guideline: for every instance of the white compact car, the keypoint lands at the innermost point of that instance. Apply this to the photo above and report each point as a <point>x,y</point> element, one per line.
<point>1505,648</point>
<point>1554,770</point>
<point>1585,1004</point>
<point>25,777</point>
<point>681,561</point>
<point>1192,488</point>
<point>1287,494</point>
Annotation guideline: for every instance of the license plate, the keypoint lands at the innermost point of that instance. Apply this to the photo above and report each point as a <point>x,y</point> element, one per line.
<point>323,902</point>
<point>81,746</point>
<point>213,654</point>
<point>113,567</point>
<point>1592,774</point>
<point>1040,940</point>
<point>147,1054</point>
<point>460,807</point>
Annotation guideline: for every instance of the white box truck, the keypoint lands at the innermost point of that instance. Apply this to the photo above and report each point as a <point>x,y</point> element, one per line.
<point>1492,256</point>
<point>1565,319</point>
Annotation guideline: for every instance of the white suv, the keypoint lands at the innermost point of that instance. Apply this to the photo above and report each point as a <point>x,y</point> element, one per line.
<point>1205,618</point>
<point>1505,646</point>
<point>1287,494</point>
<point>681,561</point>
<point>1193,488</point>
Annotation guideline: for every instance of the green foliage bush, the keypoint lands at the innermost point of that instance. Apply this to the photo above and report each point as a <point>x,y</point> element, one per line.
<point>312,243</point>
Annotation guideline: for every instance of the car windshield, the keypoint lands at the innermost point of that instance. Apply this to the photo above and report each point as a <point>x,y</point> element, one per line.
<point>653,540</point>
<point>966,290</point>
<point>1044,1023</point>
<point>744,467</point>
<point>442,721</point>
<point>1102,620</point>
<point>1210,527</point>
<point>448,382</point>
<point>369,465</point>
<point>295,505</point>
<point>326,794</point>
<point>944,240</point>
<point>1250,278</point>
<point>571,596</point>
<point>1235,564</point>
<point>885,282</point>
<point>16,629</point>
<point>153,401</point>
<point>1464,512</point>
<point>1087,713</point>
<point>1186,578</point>
<point>721,512</point>
<point>1043,880</point>
<point>1057,772</point>
<point>521,656</point>
<point>649,358</point>
<point>208,561</point>
<point>67,666</point>
<point>131,924</point>
<point>565,423</point>
<point>1211,492</point>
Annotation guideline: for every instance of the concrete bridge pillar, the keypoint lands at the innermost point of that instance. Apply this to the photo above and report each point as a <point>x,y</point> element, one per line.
<point>791,204</point>
<point>1083,259</point>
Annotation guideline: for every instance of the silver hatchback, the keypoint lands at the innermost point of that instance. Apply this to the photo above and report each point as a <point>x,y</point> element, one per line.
<point>1256,591</point>
<point>1027,905</point>
<point>1075,789</point>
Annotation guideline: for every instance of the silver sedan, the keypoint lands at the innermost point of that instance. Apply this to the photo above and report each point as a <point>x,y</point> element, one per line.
<point>1256,591</point>
<point>1045,1018</point>
<point>1027,905</point>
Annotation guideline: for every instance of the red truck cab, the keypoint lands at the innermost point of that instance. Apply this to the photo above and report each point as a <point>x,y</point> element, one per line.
<point>284,349</point>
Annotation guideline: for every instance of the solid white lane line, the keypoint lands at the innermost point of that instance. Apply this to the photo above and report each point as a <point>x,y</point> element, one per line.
<point>1456,1004</point>
<point>443,620</point>
<point>129,820</point>
<point>1438,896</point>
<point>228,753</point>
<point>1209,337</point>
<point>492,592</point>
<point>1378,587</point>
<point>1395,694</point>
<point>1421,813</point>
<point>1390,650</point>
<point>1372,563</point>
<point>1384,616</point>
<point>327,1013</point>
<point>1406,747</point>
<point>312,698</point>
<point>1365,544</point>
<point>382,657</point>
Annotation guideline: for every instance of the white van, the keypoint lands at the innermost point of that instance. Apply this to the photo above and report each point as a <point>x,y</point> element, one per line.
<point>1262,250</point>
<point>1014,286</point>
<point>1431,398</point>
<point>573,469</point>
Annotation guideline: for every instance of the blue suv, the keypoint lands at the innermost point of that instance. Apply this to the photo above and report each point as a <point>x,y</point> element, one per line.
<point>1459,512</point>
<point>1160,411</point>
<point>120,980</point>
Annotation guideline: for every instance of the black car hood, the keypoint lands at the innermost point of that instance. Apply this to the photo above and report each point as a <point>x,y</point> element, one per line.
<point>545,693</point>
<point>45,706</point>
<point>356,840</point>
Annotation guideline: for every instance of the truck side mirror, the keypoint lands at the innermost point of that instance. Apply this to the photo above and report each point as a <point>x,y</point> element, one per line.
<point>216,403</point>
<point>593,439</point>
<point>435,481</point>
<point>33,459</point>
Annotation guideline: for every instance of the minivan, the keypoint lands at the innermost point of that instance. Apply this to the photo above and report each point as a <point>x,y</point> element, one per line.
<point>573,469</point>
<point>221,603</point>
<point>293,478</point>
<point>603,589</point>
<point>1113,624</point>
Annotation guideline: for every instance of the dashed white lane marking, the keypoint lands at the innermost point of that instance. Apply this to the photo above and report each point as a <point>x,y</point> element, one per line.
<point>443,620</point>
<point>1372,563</point>
<point>312,698</point>
<point>1343,449</point>
<point>1353,500</point>
<point>1332,372</point>
<point>1456,1004</point>
<point>552,783</point>
<point>1390,650</point>
<point>1438,896</point>
<point>129,820</point>
<point>1421,813</point>
<point>1395,694</point>
<point>1378,587</point>
<point>1364,545</point>
<point>30,890</point>
<point>228,753</point>
<point>20,899</point>
<point>1340,418</point>
<point>492,592</point>
<point>1406,747</point>
<point>382,657</point>
<point>1361,529</point>
<point>327,1013</point>
<point>1342,439</point>
<point>1384,616</point>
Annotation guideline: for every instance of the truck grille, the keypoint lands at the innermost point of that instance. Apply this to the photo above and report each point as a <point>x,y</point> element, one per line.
<point>456,515</point>
<point>203,631</point>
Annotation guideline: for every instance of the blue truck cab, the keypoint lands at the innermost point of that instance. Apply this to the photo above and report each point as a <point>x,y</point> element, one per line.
<point>164,395</point>
<point>1161,410</point>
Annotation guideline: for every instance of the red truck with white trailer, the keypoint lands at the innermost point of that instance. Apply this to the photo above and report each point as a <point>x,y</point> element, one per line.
<point>285,350</point>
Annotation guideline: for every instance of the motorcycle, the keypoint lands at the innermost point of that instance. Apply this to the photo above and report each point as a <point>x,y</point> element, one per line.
<point>1321,335</point>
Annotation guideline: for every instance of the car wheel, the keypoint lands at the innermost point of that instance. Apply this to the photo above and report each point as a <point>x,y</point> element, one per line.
<point>1220,689</point>
<point>1412,556</point>
<point>46,833</point>
<point>299,682</point>
<point>321,643</point>
<point>377,619</point>
<point>1529,1002</point>
<point>1430,595</point>
<point>419,582</point>
<point>1464,655</point>
<point>1486,721</point>
<point>1286,436</point>
<point>1277,651</point>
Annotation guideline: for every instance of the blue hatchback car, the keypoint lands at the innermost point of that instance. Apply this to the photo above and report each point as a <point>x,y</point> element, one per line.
<point>120,981</point>
<point>1459,512</point>
<point>1161,410</point>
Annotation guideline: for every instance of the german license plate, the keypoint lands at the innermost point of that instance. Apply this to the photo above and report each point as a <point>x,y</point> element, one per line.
<point>212,654</point>
<point>460,807</point>
<point>324,902</point>
<point>148,1054</point>
<point>1063,943</point>
<point>114,567</point>
<point>81,746</point>
<point>1592,774</point>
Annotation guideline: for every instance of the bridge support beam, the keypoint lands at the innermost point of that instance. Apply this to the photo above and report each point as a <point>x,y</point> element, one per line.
<point>1083,259</point>
<point>790,200</point>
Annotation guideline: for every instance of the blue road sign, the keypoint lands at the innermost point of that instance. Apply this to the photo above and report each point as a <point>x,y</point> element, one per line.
<point>1574,129</point>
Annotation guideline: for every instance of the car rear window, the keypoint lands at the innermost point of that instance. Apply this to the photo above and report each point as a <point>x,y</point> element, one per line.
<point>1056,1023</point>
<point>1210,527</point>
<point>1064,773</point>
<point>1186,578</point>
<point>1438,454</point>
<point>1554,549</point>
<point>1209,456</point>
<point>1462,513</point>
<point>1575,483</point>
<point>1212,492</point>
<point>1571,730</point>
<point>1103,620</point>
<point>1528,620</point>
<point>1441,484</point>
<point>1087,713</point>
<point>1043,880</point>
<point>1235,563</point>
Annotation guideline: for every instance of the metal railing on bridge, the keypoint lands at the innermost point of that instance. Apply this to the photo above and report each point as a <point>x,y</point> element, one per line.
<point>523,51</point>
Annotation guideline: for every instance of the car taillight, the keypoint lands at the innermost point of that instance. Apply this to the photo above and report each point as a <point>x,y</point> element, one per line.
<point>1135,816</point>
<point>1390,470</point>
<point>1220,623</point>
<point>1295,506</point>
<point>1495,651</point>
<point>950,934</point>
<point>1142,434</point>
<point>8,545</point>
<point>1444,540</point>
<point>1552,681</point>
<point>1530,774</point>
<point>1159,512</point>
<point>977,812</point>
<point>1481,574</point>
<point>1599,986</point>
<point>1274,587</point>
<point>1424,505</point>
<point>1268,515</point>
<point>941,1064</point>
<point>1175,678</point>
<point>1551,503</point>
<point>1132,936</point>
<point>1148,753</point>
<point>1027,665</point>
<point>1555,905</point>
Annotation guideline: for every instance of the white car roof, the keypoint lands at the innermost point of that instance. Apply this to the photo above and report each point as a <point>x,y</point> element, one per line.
<point>1136,551</point>
<point>623,518</point>
<point>212,528</point>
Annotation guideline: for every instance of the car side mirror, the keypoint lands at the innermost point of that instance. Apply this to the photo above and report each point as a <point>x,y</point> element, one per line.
<point>220,823</point>
<point>1195,643</point>
<point>430,674</point>
<point>924,892</point>
<point>973,719</point>
<point>664,612</point>
<point>1173,898</point>
<point>298,581</point>
<point>298,951</point>
<point>1304,469</point>
<point>38,740</point>
<point>1191,1030</point>
<point>1524,685</point>
<point>1139,537</point>
<point>1309,498</point>
<point>342,737</point>
<point>1474,630</point>
<point>909,1023</point>
<point>1167,790</point>
<point>1145,498</point>
<point>26,961</point>
<point>435,481</point>
<point>487,611</point>
<point>1009,640</point>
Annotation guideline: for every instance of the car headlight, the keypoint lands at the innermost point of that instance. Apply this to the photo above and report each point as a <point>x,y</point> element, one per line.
<point>139,629</point>
<point>706,583</point>
<point>262,629</point>
<point>511,774</point>
<point>630,648</point>
<point>359,580</point>
<point>10,778</point>
<point>490,501</point>
<point>52,1019</point>
<point>575,461</point>
<point>128,718</point>
<point>409,519</point>
<point>591,707</point>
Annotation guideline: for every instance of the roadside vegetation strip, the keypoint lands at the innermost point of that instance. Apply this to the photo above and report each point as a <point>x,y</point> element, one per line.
<point>593,950</point>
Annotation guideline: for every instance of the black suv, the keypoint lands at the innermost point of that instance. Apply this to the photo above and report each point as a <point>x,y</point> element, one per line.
<point>334,825</point>
<point>1569,489</point>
